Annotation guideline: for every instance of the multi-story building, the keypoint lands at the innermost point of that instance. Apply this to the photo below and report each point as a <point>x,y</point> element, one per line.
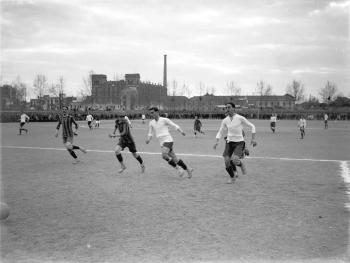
<point>128,94</point>
<point>51,103</point>
<point>133,94</point>
<point>209,102</point>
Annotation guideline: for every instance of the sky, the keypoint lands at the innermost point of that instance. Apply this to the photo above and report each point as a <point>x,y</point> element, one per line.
<point>207,43</point>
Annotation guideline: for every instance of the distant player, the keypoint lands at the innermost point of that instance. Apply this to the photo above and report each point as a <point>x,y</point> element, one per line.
<point>302,126</point>
<point>125,140</point>
<point>23,119</point>
<point>235,144</point>
<point>273,121</point>
<point>67,122</point>
<point>325,120</point>
<point>97,122</point>
<point>197,126</point>
<point>143,117</point>
<point>89,119</point>
<point>159,126</point>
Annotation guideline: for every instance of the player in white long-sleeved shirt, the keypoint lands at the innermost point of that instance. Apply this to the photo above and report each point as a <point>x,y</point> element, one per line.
<point>23,119</point>
<point>273,121</point>
<point>302,126</point>
<point>89,119</point>
<point>235,144</point>
<point>159,126</point>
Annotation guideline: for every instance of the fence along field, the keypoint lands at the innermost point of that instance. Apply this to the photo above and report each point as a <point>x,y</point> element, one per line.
<point>292,205</point>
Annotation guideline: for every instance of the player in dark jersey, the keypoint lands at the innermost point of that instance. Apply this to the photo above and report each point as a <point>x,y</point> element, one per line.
<point>125,140</point>
<point>197,126</point>
<point>68,134</point>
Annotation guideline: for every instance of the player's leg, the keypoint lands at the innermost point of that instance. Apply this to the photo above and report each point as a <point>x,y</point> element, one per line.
<point>166,149</point>
<point>24,129</point>
<point>230,167</point>
<point>132,149</point>
<point>238,154</point>
<point>180,163</point>
<point>21,128</point>
<point>118,149</point>
<point>69,147</point>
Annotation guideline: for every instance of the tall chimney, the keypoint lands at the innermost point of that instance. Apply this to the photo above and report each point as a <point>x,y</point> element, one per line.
<point>165,74</point>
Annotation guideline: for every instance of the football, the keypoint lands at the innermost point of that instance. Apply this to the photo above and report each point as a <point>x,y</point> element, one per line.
<point>4,211</point>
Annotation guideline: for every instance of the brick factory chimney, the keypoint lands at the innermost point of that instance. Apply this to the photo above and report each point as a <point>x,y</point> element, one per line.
<point>165,73</point>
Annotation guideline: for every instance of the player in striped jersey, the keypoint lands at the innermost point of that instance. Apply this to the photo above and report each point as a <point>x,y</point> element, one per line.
<point>125,140</point>
<point>68,134</point>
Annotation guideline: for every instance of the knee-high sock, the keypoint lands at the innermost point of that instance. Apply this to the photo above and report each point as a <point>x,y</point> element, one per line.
<point>72,153</point>
<point>230,171</point>
<point>182,164</point>
<point>119,157</point>
<point>139,159</point>
<point>233,166</point>
<point>172,163</point>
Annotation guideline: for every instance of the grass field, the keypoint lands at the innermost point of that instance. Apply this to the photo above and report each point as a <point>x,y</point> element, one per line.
<point>292,206</point>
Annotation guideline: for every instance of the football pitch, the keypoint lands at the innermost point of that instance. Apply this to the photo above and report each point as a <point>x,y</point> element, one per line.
<point>292,206</point>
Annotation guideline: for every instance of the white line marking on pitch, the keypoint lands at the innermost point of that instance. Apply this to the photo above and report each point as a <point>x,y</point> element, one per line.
<point>345,173</point>
<point>182,154</point>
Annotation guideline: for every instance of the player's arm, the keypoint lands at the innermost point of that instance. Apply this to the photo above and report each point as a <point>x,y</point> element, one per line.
<point>113,135</point>
<point>75,123</point>
<point>219,134</point>
<point>175,126</point>
<point>150,134</point>
<point>252,126</point>
<point>58,127</point>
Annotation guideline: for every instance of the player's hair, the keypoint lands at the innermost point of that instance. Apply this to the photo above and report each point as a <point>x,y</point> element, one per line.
<point>64,107</point>
<point>153,108</point>
<point>231,103</point>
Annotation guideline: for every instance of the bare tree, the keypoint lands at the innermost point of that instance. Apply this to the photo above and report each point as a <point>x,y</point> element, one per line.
<point>263,89</point>
<point>328,92</point>
<point>233,89</point>
<point>201,88</point>
<point>297,90</point>
<point>174,88</point>
<point>186,91</point>
<point>87,85</point>
<point>40,85</point>
<point>57,90</point>
<point>21,89</point>
<point>213,90</point>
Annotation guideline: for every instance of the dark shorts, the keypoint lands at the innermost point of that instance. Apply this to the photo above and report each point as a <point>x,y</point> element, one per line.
<point>89,123</point>
<point>197,128</point>
<point>68,139</point>
<point>236,148</point>
<point>325,121</point>
<point>273,124</point>
<point>168,145</point>
<point>22,124</point>
<point>127,142</point>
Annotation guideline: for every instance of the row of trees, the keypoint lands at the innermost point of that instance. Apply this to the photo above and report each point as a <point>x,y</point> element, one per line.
<point>41,85</point>
<point>328,93</point>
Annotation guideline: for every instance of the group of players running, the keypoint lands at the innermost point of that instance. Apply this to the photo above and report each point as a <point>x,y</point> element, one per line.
<point>232,125</point>
<point>159,126</point>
